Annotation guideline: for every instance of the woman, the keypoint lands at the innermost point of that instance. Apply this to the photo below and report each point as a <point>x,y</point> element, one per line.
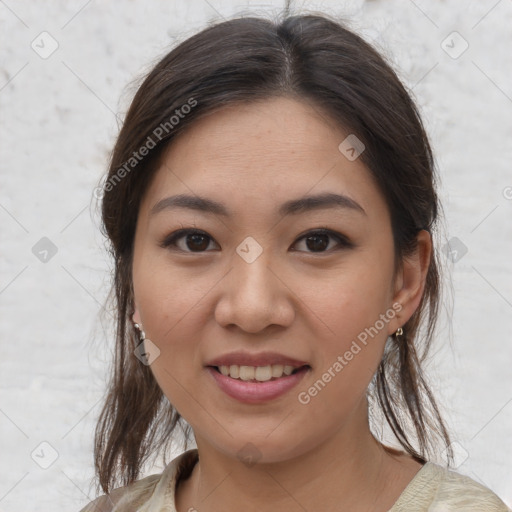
<point>270,204</point>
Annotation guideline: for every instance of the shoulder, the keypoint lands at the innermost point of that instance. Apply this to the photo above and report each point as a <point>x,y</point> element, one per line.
<point>435,488</point>
<point>154,488</point>
<point>463,493</point>
<point>120,499</point>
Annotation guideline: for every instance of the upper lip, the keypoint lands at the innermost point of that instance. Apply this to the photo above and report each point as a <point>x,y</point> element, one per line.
<point>260,359</point>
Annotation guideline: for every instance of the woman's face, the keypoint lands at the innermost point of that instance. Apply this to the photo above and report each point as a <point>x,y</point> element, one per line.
<point>259,287</point>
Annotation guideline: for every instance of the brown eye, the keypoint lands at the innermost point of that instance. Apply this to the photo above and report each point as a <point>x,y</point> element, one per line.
<point>188,240</point>
<point>196,242</point>
<point>319,241</point>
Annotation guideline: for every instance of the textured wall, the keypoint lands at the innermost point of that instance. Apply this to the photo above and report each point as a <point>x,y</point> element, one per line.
<point>66,74</point>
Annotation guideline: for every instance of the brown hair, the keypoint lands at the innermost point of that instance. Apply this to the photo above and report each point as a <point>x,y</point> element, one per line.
<point>310,58</point>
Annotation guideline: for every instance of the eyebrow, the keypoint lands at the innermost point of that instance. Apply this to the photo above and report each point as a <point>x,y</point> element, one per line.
<point>292,207</point>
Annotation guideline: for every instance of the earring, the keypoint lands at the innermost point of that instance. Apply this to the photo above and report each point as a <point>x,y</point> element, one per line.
<point>399,332</point>
<point>142,333</point>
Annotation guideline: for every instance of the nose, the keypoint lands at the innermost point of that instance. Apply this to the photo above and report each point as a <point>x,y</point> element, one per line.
<point>254,296</point>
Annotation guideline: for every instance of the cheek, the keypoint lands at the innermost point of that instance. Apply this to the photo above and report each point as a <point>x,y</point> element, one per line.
<point>170,311</point>
<point>351,334</point>
<point>346,358</point>
<point>167,295</point>
<point>346,301</point>
<point>173,307</point>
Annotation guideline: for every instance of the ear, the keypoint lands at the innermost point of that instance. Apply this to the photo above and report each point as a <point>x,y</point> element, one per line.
<point>410,281</point>
<point>136,316</point>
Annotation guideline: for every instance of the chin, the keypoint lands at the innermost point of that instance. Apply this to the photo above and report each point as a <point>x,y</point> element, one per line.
<point>252,450</point>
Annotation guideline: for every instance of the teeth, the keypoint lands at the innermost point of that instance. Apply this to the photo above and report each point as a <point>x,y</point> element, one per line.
<point>259,373</point>
<point>263,373</point>
<point>246,372</point>
<point>288,370</point>
<point>277,370</point>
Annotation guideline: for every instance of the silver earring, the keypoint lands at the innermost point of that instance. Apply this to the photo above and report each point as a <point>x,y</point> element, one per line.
<point>142,334</point>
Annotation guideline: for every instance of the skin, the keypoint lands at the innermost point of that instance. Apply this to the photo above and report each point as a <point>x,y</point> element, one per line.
<point>305,303</point>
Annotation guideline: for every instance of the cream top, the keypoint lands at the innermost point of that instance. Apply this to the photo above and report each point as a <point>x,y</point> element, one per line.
<point>433,489</point>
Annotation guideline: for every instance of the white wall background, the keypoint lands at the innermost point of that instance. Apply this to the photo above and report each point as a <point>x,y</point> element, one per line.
<point>57,125</point>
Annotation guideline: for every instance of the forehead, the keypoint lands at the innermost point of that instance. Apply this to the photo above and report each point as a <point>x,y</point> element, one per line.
<point>258,154</point>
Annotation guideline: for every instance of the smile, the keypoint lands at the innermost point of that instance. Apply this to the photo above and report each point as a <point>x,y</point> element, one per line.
<point>253,390</point>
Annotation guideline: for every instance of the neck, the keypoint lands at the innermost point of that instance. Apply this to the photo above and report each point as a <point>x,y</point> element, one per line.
<point>350,471</point>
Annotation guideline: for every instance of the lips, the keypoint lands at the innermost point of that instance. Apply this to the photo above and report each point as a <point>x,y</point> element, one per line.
<point>252,392</point>
<point>256,378</point>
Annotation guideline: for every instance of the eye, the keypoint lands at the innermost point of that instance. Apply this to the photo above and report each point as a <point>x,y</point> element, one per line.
<point>193,240</point>
<point>319,240</point>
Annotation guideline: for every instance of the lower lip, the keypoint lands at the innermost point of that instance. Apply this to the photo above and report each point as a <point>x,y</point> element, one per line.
<point>256,392</point>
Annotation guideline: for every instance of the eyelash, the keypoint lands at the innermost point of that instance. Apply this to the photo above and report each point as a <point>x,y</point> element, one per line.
<point>171,239</point>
